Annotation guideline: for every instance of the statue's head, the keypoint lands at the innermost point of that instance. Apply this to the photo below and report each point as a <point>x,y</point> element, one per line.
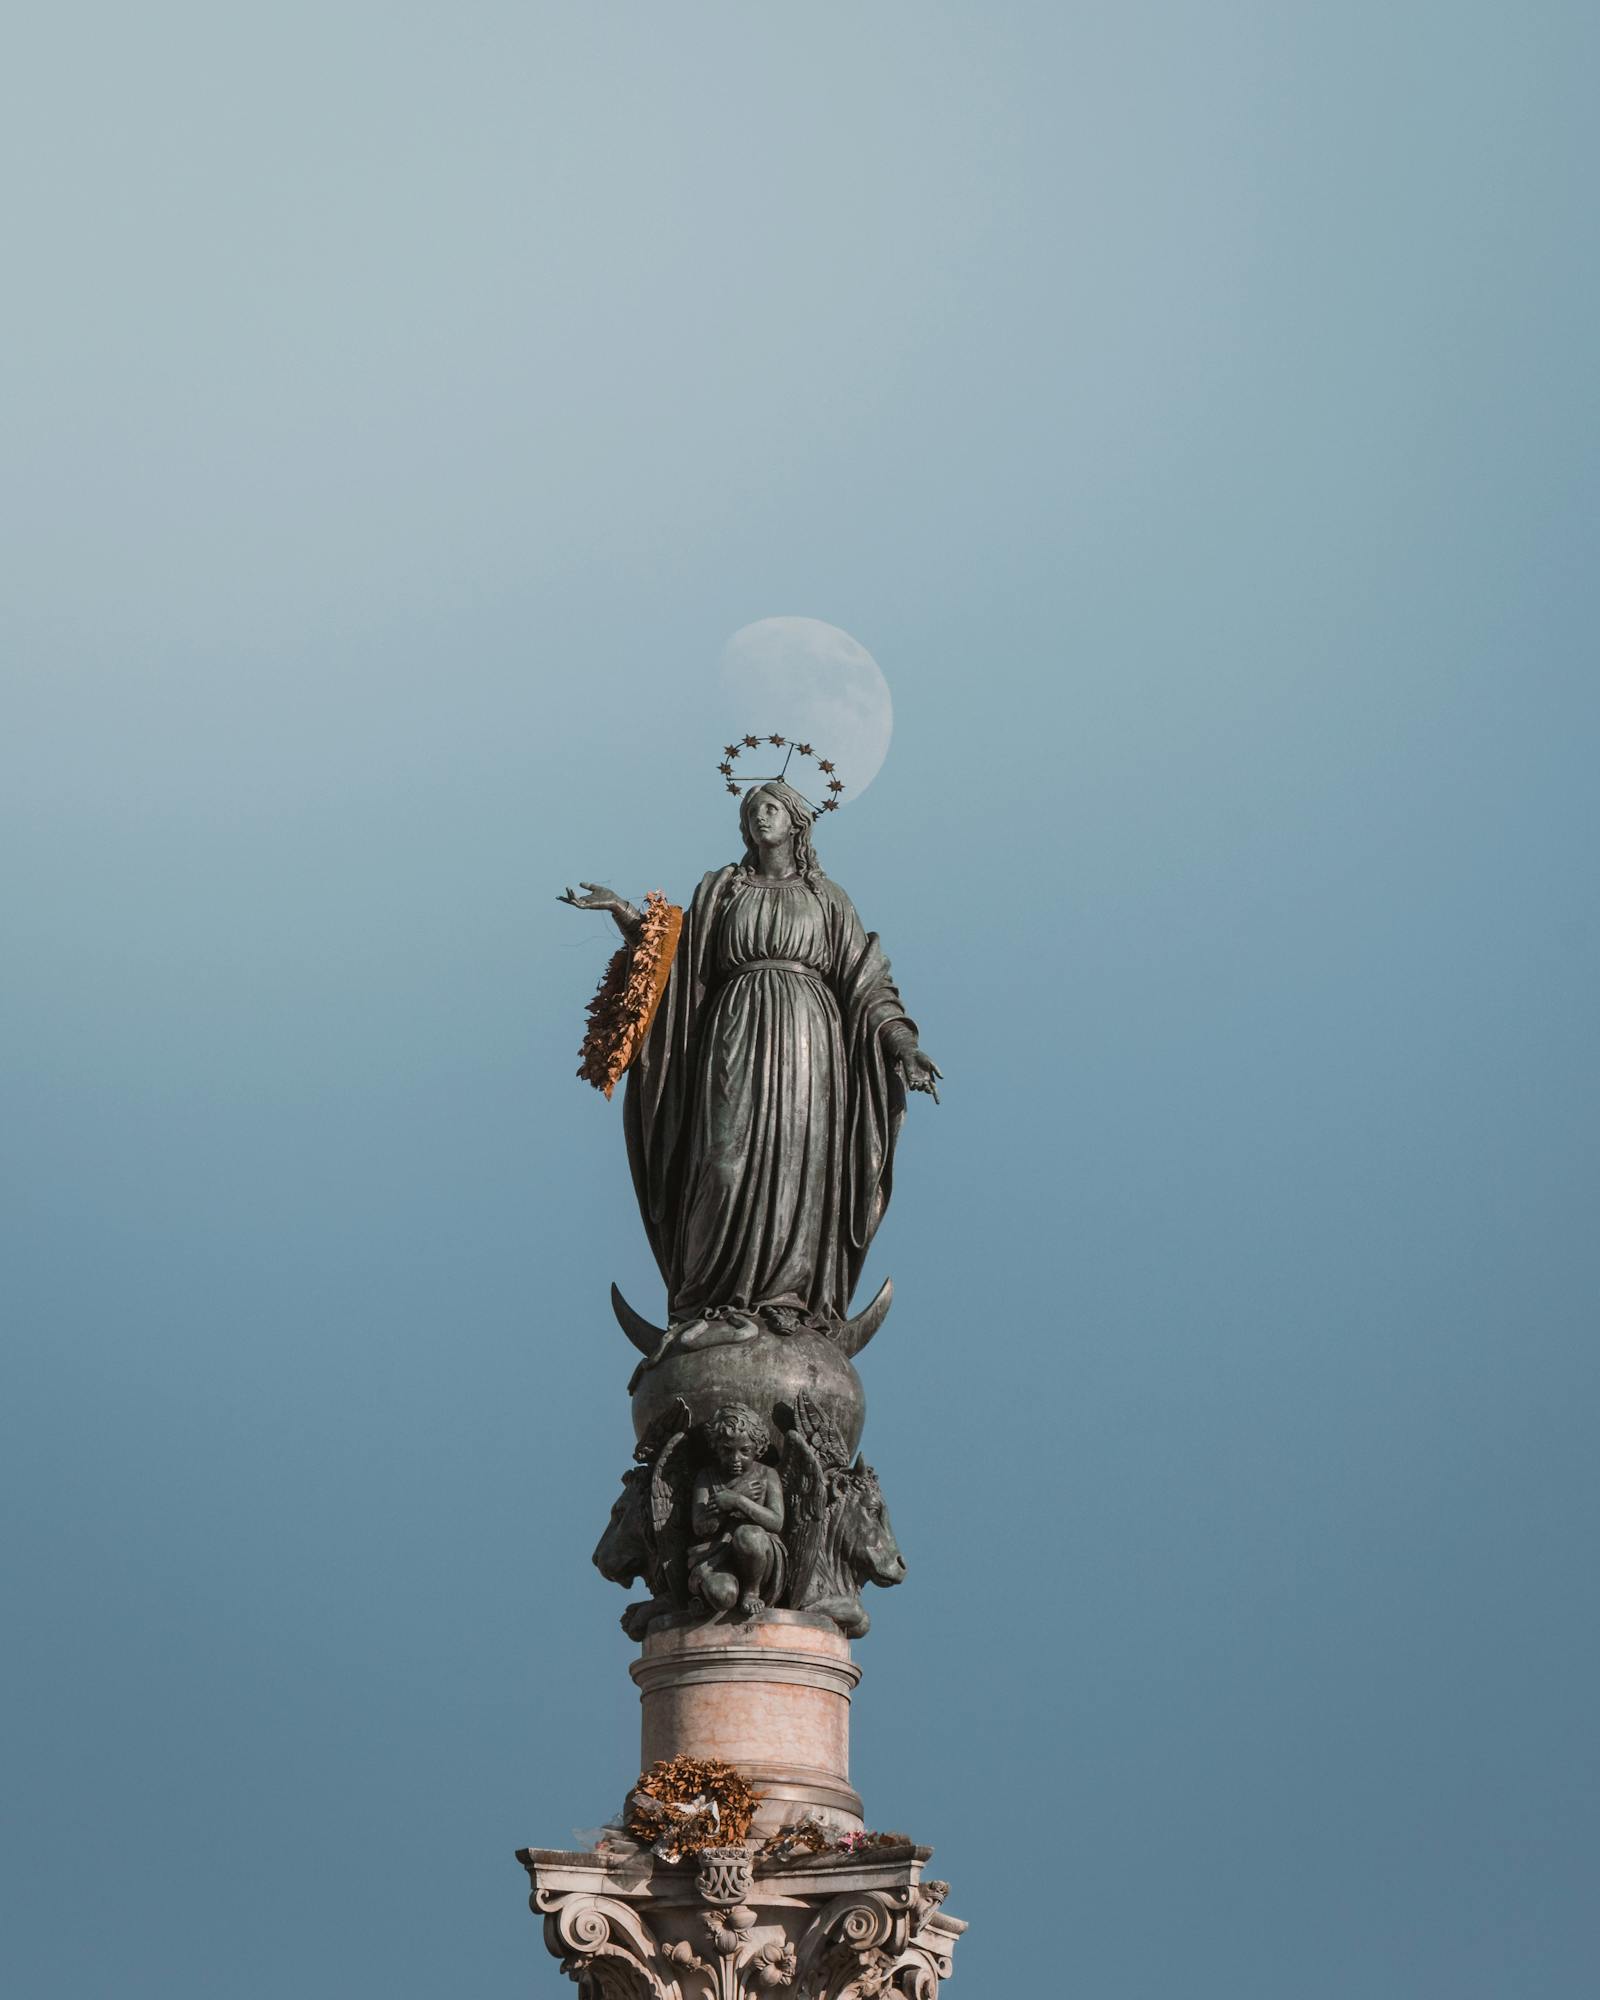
<point>738,1434</point>
<point>776,812</point>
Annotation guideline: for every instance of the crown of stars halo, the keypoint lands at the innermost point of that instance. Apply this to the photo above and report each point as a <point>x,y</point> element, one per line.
<point>732,751</point>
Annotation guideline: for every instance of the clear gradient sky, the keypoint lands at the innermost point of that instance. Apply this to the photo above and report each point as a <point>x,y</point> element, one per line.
<point>1193,408</point>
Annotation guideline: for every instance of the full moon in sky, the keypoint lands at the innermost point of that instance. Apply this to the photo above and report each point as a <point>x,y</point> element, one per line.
<point>811,682</point>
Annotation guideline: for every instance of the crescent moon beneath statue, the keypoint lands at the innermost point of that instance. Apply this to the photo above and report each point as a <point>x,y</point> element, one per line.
<point>852,1336</point>
<point>812,682</point>
<point>855,1333</point>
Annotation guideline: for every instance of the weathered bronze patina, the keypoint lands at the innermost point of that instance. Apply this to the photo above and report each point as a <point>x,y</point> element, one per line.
<point>762,1110</point>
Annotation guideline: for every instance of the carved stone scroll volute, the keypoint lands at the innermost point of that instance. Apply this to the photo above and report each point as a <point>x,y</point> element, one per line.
<point>606,1946</point>
<point>865,1945</point>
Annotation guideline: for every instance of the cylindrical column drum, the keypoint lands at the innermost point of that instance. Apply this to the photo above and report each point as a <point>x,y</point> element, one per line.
<point>772,1697</point>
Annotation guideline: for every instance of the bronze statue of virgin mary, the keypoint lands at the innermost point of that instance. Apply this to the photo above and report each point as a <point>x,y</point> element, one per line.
<point>767,1091</point>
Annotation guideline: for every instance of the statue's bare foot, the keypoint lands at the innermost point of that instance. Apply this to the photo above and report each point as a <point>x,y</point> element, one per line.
<point>751,1605</point>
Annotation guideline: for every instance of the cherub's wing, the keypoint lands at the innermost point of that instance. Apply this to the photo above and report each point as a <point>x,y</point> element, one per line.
<point>820,1433</point>
<point>671,1423</point>
<point>669,1473</point>
<point>804,1480</point>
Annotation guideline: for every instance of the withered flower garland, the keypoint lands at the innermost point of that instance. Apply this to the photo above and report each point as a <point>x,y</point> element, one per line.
<point>864,1843</point>
<point>629,993</point>
<point>809,1837</point>
<point>806,1836</point>
<point>683,1804</point>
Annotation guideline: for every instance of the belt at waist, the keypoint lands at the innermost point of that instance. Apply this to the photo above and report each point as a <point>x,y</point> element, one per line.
<point>774,965</point>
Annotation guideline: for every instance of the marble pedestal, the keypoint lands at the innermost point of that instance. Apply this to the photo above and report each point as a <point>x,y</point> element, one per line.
<point>772,1698</point>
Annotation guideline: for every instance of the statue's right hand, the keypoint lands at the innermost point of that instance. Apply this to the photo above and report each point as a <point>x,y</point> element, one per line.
<point>626,918</point>
<point>598,898</point>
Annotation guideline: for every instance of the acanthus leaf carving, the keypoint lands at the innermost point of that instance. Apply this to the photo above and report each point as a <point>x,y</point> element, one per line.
<point>727,1931</point>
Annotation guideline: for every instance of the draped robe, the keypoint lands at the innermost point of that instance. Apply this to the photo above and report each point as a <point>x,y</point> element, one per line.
<point>762,1110</point>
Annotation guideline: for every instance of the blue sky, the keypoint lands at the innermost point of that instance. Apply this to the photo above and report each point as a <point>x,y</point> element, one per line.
<point>1193,410</point>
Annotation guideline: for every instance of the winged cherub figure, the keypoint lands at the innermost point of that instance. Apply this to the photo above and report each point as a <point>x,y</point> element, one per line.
<point>736,1515</point>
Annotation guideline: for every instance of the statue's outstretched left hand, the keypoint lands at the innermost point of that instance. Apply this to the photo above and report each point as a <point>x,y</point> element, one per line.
<point>921,1072</point>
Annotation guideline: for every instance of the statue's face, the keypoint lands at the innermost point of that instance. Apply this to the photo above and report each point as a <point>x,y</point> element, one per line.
<point>769,821</point>
<point>733,1455</point>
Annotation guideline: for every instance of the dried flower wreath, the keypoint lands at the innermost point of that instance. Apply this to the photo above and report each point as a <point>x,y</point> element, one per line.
<point>683,1804</point>
<point>629,993</point>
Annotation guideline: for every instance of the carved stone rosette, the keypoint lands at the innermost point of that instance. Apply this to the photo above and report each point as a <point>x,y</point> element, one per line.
<point>855,1927</point>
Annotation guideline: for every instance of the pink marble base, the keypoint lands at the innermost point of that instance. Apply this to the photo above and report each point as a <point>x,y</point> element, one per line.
<point>772,1697</point>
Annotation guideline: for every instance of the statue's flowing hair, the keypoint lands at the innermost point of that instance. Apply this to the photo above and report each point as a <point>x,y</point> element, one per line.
<point>800,817</point>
